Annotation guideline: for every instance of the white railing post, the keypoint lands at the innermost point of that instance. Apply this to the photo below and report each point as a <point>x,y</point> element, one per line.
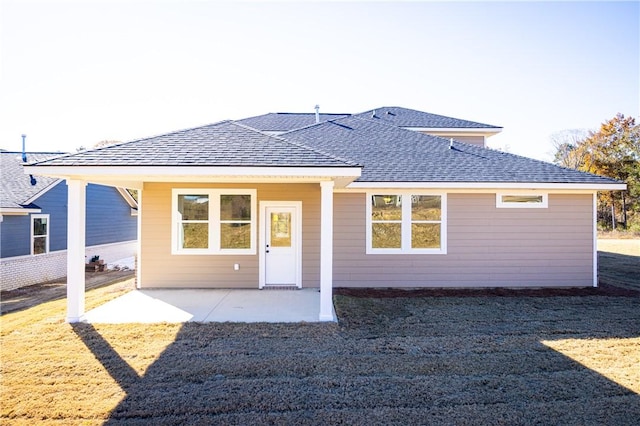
<point>76,213</point>
<point>326,251</point>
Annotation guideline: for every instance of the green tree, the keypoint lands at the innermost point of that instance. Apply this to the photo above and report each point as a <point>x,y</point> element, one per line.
<point>612,151</point>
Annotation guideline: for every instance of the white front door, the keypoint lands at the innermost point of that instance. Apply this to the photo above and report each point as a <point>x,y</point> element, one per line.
<point>281,244</point>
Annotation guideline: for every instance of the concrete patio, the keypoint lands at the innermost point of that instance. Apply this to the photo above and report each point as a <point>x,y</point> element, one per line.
<point>209,305</point>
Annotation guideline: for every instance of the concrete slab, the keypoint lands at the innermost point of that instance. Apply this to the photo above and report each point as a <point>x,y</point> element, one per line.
<point>204,305</point>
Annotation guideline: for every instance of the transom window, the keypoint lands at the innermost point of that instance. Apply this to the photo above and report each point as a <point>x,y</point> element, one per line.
<point>39,234</point>
<point>214,221</point>
<point>406,223</point>
<point>521,201</point>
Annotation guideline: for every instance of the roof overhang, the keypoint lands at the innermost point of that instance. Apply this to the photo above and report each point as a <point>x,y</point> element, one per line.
<point>491,185</point>
<point>454,131</point>
<point>134,177</point>
<point>17,211</point>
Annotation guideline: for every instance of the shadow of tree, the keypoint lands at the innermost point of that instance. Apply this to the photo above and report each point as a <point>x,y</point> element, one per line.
<point>619,270</point>
<point>439,360</point>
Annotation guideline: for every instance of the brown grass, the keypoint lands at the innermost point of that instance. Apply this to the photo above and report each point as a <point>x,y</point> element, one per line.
<point>405,360</point>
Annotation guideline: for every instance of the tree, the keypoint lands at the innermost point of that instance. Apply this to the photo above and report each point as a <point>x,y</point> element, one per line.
<point>565,144</point>
<point>612,151</point>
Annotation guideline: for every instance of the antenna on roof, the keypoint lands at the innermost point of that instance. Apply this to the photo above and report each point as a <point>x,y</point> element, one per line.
<point>317,108</point>
<point>24,151</point>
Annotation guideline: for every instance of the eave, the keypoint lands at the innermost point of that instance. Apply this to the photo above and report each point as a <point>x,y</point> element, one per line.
<point>491,186</point>
<point>455,131</point>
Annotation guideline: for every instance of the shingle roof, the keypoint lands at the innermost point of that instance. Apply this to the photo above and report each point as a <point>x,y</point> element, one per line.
<point>405,117</point>
<point>226,143</point>
<point>391,154</point>
<point>17,187</point>
<point>285,121</point>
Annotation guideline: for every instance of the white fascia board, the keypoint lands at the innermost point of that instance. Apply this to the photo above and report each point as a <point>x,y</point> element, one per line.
<point>457,130</point>
<point>16,211</point>
<point>490,185</point>
<point>136,172</point>
<point>41,193</point>
<point>127,197</point>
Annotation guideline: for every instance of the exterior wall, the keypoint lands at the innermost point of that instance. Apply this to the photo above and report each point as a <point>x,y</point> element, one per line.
<point>21,271</point>
<point>487,247</point>
<point>109,220</point>
<point>159,268</point>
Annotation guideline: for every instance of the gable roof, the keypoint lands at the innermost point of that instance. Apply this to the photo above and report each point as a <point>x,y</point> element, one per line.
<point>410,118</point>
<point>392,154</point>
<point>225,143</point>
<point>285,121</point>
<point>17,187</point>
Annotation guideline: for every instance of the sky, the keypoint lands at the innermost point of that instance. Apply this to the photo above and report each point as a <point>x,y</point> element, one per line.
<point>75,73</point>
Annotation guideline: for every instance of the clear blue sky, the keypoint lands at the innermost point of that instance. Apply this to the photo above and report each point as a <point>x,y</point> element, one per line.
<point>76,73</point>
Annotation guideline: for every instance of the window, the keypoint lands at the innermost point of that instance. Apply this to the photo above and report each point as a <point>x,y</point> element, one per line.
<point>521,201</point>
<point>214,221</point>
<point>406,223</point>
<point>39,234</point>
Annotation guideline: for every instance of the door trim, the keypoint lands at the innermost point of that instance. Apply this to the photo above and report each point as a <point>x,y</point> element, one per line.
<point>262,270</point>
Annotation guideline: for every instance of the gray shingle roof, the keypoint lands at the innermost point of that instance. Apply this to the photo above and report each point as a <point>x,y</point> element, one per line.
<point>405,117</point>
<point>226,143</point>
<point>285,121</point>
<point>17,187</point>
<point>391,154</point>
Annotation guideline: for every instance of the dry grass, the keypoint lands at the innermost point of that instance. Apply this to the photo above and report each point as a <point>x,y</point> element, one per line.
<point>444,360</point>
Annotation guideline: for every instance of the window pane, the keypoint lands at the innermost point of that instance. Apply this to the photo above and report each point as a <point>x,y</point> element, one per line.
<point>281,229</point>
<point>522,199</point>
<point>386,235</point>
<point>425,207</point>
<point>386,207</point>
<point>39,245</point>
<point>40,226</point>
<point>425,235</point>
<point>235,207</point>
<point>235,235</point>
<point>194,207</point>
<point>195,235</point>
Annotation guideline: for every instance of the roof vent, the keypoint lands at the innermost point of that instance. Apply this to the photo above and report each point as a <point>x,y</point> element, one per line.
<point>451,143</point>
<point>24,149</point>
<point>373,114</point>
<point>317,108</point>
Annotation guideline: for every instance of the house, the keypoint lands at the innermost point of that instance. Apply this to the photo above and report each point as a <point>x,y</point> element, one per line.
<point>33,223</point>
<point>364,200</point>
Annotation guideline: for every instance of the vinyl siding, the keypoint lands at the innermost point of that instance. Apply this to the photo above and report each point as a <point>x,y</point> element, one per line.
<point>160,268</point>
<point>487,247</point>
<point>109,218</point>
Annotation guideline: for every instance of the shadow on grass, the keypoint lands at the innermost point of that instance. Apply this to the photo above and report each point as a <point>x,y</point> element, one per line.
<point>619,270</point>
<point>390,361</point>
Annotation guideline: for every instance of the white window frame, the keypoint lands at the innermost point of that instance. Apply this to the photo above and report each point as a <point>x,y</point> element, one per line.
<point>47,236</point>
<point>405,245</point>
<point>214,221</point>
<point>500,204</point>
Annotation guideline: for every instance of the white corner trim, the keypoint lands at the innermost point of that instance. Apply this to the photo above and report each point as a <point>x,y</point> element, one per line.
<point>595,239</point>
<point>326,251</point>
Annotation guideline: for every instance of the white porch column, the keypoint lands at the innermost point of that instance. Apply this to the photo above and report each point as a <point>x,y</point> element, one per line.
<point>76,213</point>
<point>326,251</point>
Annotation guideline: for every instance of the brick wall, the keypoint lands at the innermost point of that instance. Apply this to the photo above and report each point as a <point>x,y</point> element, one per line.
<point>21,271</point>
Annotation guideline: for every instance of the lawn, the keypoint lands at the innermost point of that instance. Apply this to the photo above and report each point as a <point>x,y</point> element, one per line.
<point>468,359</point>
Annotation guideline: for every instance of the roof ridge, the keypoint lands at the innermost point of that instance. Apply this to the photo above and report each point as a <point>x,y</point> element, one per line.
<point>300,145</point>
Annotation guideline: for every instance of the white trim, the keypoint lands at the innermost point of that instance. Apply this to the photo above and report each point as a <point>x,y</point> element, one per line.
<point>42,192</point>
<point>481,131</point>
<point>139,275</point>
<point>48,234</point>
<point>127,197</point>
<point>501,204</point>
<point>487,185</point>
<point>595,239</point>
<point>326,251</point>
<point>213,221</point>
<point>406,222</point>
<point>262,259</point>
<point>11,211</point>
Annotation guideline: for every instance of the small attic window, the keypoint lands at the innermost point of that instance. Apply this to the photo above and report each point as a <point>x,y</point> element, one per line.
<point>522,201</point>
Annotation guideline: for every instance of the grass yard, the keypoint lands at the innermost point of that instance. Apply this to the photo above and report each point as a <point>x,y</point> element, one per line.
<point>570,360</point>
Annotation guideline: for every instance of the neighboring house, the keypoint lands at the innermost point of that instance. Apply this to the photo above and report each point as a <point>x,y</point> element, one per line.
<point>353,201</point>
<point>33,223</point>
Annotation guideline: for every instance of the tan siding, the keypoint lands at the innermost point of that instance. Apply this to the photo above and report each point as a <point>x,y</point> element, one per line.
<point>487,247</point>
<point>162,269</point>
